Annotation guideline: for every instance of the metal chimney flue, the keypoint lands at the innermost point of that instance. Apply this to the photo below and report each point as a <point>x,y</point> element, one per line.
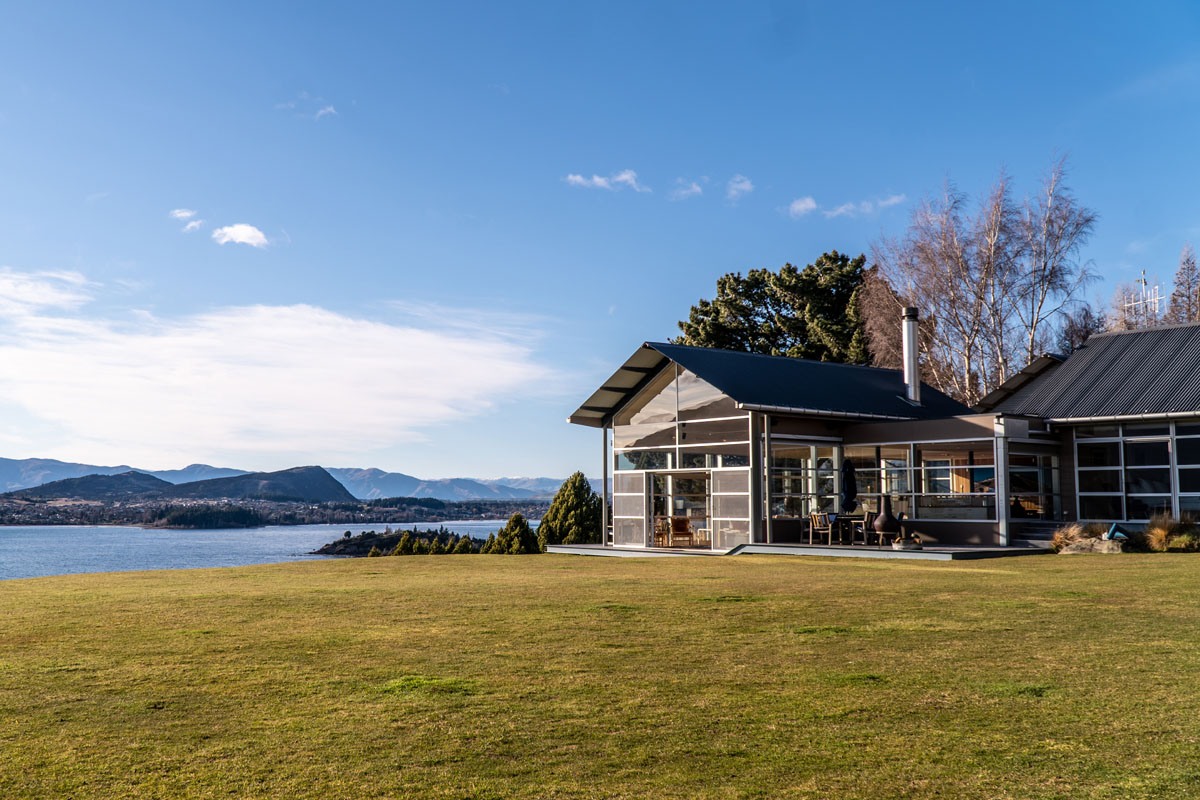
<point>912,369</point>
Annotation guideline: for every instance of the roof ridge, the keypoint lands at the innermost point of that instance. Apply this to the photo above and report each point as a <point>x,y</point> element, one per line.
<point>657,345</point>
<point>1172,326</point>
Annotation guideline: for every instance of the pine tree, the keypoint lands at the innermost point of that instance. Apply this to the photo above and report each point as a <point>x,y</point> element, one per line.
<point>374,552</point>
<point>1185,296</point>
<point>490,545</point>
<point>464,546</point>
<point>515,538</point>
<point>405,545</point>
<point>435,547</point>
<point>573,516</point>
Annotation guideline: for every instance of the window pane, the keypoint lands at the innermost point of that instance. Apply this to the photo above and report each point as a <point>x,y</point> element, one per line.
<point>699,399</point>
<point>1103,480</point>
<point>629,484</point>
<point>731,506</point>
<point>726,430</point>
<point>1147,429</point>
<point>648,459</point>
<point>1189,506</point>
<point>629,532</point>
<point>629,505</point>
<point>1146,507</point>
<point>1187,451</point>
<point>1090,431</point>
<point>1100,507</point>
<point>731,534</point>
<point>1187,428</point>
<point>1189,480</point>
<point>1099,454</point>
<point>1138,454</point>
<point>731,482</point>
<point>650,434</point>
<point>1147,481</point>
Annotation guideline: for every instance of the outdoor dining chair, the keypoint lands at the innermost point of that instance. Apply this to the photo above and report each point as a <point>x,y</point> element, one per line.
<point>820,525</point>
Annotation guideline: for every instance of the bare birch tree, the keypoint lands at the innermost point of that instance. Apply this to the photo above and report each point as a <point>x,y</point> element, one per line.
<point>1053,227</point>
<point>994,286</point>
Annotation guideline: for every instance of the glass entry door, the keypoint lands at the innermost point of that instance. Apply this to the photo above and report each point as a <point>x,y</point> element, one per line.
<point>680,502</point>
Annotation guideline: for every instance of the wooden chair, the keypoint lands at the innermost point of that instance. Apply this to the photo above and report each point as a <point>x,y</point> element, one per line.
<point>819,524</point>
<point>662,531</point>
<point>859,526</point>
<point>681,529</point>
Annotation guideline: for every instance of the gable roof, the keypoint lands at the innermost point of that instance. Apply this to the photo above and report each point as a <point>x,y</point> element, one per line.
<point>1151,372</point>
<point>771,383</point>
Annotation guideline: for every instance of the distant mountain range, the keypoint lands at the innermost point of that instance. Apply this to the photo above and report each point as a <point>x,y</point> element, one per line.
<point>363,484</point>
<point>299,484</point>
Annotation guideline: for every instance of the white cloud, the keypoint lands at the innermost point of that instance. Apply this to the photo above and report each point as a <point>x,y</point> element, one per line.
<point>685,189</point>
<point>182,214</point>
<point>594,182</point>
<point>738,185</point>
<point>844,210</point>
<point>258,385</point>
<point>801,206</point>
<point>241,233</point>
<point>24,293</point>
<point>326,111</point>
<point>865,207</point>
<point>193,225</point>
<point>628,177</point>
<point>625,177</point>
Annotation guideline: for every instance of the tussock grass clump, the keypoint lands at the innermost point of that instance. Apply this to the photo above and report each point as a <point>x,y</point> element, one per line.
<point>1073,532</point>
<point>1164,534</point>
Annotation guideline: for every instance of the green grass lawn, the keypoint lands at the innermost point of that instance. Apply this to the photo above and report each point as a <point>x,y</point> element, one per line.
<point>563,676</point>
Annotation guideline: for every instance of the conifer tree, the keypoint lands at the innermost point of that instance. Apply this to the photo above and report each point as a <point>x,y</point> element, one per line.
<point>374,552</point>
<point>573,516</point>
<point>1185,296</point>
<point>435,547</point>
<point>405,546</point>
<point>490,545</point>
<point>464,546</point>
<point>515,538</point>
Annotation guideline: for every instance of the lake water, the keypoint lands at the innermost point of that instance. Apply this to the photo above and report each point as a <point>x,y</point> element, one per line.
<point>35,551</point>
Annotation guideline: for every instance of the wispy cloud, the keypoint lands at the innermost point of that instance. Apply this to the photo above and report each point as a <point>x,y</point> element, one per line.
<point>193,225</point>
<point>738,186</point>
<point>182,214</point>
<point>25,293</point>
<point>308,105</point>
<point>865,207</point>
<point>624,178</point>
<point>240,233</point>
<point>801,206</point>
<point>685,188</point>
<point>273,385</point>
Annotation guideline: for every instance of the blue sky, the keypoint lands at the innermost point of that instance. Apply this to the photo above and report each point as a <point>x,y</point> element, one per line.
<point>417,235</point>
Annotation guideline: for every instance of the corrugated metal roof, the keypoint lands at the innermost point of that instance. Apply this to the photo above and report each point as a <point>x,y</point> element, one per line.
<point>1125,374</point>
<point>774,383</point>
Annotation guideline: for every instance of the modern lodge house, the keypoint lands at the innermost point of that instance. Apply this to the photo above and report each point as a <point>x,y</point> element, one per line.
<point>713,449</point>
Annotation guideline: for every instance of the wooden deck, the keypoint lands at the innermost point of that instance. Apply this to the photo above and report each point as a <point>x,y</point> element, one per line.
<point>948,553</point>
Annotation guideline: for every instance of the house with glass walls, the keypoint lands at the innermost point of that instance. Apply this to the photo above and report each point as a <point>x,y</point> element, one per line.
<point>712,449</point>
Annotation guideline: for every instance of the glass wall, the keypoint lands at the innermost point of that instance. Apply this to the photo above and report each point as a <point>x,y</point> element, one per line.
<point>956,480</point>
<point>688,447</point>
<point>1133,471</point>
<point>883,470</point>
<point>802,479</point>
<point>1033,485</point>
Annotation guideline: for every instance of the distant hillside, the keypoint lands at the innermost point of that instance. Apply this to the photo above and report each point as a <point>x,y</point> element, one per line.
<point>303,484</point>
<point>26,473</point>
<point>126,485</point>
<point>299,484</point>
<point>370,484</point>
<point>194,472</point>
<point>363,484</point>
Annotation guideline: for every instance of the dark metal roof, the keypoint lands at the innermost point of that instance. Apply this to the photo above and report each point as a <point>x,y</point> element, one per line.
<point>1018,381</point>
<point>772,383</point>
<point>1154,372</point>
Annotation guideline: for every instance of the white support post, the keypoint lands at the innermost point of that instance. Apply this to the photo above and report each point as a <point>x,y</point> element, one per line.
<point>1001,470</point>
